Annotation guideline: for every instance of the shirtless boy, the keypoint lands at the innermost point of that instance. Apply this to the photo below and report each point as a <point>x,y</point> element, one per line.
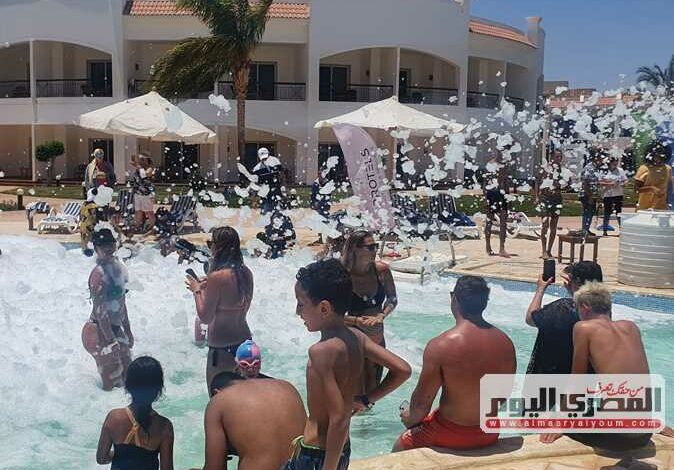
<point>609,347</point>
<point>323,290</point>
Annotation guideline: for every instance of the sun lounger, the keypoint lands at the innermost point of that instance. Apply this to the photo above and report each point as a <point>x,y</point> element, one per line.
<point>124,208</point>
<point>442,209</point>
<point>38,207</point>
<point>519,222</point>
<point>67,219</point>
<point>413,221</point>
<point>184,210</point>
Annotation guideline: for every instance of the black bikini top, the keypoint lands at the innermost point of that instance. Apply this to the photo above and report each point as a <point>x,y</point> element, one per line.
<point>360,303</point>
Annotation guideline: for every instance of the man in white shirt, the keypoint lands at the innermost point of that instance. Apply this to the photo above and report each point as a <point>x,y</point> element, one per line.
<point>613,182</point>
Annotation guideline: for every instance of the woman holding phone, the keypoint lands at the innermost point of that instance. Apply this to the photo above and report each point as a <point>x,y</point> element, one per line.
<point>222,300</point>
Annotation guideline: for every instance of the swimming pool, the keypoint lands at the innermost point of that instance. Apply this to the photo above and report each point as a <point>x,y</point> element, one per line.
<point>52,406</point>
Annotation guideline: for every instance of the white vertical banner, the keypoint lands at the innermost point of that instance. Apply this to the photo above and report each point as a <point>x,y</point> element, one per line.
<point>366,175</point>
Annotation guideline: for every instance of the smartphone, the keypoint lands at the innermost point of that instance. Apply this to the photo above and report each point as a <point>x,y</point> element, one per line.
<point>190,272</point>
<point>549,269</point>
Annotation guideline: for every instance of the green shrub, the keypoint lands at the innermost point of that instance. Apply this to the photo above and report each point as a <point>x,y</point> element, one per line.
<point>49,150</point>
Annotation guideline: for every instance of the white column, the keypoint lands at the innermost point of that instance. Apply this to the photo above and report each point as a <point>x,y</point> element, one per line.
<point>216,157</point>
<point>120,162</point>
<point>33,97</point>
<point>307,158</point>
<point>462,84</point>
<point>396,80</point>
<point>33,145</point>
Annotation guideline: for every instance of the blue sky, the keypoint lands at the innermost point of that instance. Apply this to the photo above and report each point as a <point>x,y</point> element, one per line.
<point>591,42</point>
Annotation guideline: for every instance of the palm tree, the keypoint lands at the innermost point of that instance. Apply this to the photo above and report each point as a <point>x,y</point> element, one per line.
<point>656,76</point>
<point>195,64</point>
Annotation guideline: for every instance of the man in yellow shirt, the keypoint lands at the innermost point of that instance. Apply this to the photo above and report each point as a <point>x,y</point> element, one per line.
<point>654,177</point>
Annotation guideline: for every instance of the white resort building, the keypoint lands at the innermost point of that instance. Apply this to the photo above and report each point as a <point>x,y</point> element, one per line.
<point>318,59</point>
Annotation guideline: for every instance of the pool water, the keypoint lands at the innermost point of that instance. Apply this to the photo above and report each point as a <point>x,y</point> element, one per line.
<point>51,403</point>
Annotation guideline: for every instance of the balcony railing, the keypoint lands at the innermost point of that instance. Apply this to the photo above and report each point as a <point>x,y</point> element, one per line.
<point>518,102</point>
<point>140,87</point>
<point>280,91</point>
<point>427,95</point>
<point>475,99</point>
<point>72,88</point>
<point>359,93</point>
<point>15,89</point>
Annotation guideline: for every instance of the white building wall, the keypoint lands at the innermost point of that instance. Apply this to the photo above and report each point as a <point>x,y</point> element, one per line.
<point>431,37</point>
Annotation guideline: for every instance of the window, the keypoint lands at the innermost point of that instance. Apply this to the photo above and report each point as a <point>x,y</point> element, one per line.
<point>261,81</point>
<point>404,83</point>
<point>99,78</point>
<point>333,83</point>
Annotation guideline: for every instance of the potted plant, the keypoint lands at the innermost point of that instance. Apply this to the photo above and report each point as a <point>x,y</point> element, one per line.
<point>47,152</point>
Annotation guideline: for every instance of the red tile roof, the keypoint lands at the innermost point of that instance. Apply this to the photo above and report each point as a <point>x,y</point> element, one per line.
<point>499,32</point>
<point>299,11</point>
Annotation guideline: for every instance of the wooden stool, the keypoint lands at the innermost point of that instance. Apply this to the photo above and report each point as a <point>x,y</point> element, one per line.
<point>577,240</point>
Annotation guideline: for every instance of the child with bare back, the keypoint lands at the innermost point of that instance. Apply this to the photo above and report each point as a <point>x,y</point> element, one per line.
<point>323,291</point>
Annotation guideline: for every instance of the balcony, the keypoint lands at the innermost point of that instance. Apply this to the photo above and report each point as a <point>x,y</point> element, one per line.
<point>278,91</point>
<point>475,99</point>
<point>15,89</point>
<point>429,95</point>
<point>140,87</point>
<point>358,93</point>
<point>72,88</point>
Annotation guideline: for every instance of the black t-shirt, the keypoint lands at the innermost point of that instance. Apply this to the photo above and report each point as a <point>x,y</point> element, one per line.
<point>553,349</point>
<point>271,176</point>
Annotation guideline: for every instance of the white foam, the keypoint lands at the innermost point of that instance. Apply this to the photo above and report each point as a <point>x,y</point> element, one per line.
<point>51,396</point>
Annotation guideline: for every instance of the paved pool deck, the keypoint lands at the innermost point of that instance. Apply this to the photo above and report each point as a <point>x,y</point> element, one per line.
<point>528,453</point>
<point>525,266</point>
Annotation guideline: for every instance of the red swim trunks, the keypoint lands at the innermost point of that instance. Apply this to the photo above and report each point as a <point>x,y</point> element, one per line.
<point>436,431</point>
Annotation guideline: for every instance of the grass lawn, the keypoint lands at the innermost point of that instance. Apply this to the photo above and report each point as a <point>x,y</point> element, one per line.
<point>467,204</point>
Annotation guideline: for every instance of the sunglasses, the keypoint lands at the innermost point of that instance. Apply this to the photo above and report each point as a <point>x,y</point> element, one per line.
<point>371,247</point>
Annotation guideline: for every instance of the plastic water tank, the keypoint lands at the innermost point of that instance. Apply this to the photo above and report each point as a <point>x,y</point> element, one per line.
<point>646,257</point>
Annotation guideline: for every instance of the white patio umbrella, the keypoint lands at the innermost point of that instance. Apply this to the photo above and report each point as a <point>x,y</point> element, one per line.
<point>150,116</point>
<point>389,114</point>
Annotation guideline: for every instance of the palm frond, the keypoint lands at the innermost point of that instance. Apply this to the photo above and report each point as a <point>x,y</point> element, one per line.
<point>258,18</point>
<point>193,65</point>
<point>209,11</point>
<point>650,75</point>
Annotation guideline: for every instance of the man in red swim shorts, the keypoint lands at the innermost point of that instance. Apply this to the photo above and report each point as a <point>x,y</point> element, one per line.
<point>456,361</point>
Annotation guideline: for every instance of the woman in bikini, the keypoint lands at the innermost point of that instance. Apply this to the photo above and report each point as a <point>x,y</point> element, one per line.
<point>373,298</point>
<point>107,334</point>
<point>223,299</point>
<point>142,438</point>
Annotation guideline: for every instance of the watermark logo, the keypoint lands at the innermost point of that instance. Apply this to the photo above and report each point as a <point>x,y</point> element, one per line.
<point>555,403</point>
